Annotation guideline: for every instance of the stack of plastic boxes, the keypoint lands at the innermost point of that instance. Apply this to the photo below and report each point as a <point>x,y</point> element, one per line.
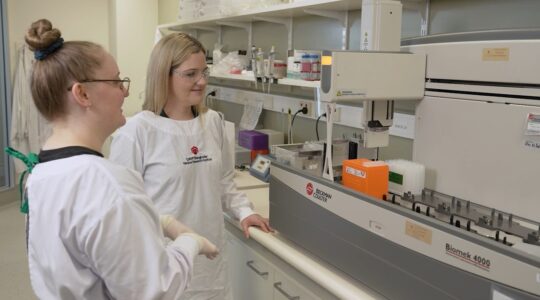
<point>306,157</point>
<point>253,140</point>
<point>304,64</point>
<point>366,176</point>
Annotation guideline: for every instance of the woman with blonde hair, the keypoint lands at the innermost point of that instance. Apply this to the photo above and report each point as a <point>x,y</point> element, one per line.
<point>93,233</point>
<point>179,147</point>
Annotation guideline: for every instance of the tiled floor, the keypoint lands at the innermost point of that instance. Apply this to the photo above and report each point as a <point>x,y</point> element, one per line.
<point>14,280</point>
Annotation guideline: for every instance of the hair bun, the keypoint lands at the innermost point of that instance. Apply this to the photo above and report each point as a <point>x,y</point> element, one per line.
<point>42,35</point>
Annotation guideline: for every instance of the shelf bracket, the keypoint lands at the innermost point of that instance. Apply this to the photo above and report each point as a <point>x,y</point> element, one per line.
<point>244,25</point>
<point>345,33</point>
<point>175,28</point>
<point>215,29</point>
<point>341,16</point>
<point>287,22</point>
<point>190,31</point>
<point>205,28</point>
<point>423,7</point>
<point>247,26</point>
<point>162,31</point>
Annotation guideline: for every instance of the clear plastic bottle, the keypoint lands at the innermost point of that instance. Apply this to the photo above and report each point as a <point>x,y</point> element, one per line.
<point>271,59</point>
<point>259,59</point>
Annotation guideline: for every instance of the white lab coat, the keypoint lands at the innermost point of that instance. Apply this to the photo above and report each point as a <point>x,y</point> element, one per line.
<point>187,173</point>
<point>29,129</point>
<point>94,234</point>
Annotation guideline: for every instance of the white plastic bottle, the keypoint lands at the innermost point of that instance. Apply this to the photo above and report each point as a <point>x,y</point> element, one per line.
<point>259,59</point>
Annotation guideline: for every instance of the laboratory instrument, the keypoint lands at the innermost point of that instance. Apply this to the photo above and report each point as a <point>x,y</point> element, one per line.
<point>473,232</point>
<point>260,168</point>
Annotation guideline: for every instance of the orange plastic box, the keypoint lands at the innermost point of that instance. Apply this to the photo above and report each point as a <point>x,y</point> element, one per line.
<point>254,153</point>
<point>366,176</point>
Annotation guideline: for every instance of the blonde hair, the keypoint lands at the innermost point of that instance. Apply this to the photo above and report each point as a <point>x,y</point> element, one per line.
<point>63,64</point>
<point>169,53</point>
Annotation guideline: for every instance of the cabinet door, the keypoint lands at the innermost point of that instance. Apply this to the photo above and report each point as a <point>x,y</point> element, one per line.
<point>251,275</point>
<point>296,287</point>
<point>286,291</point>
<point>237,273</point>
<point>258,274</point>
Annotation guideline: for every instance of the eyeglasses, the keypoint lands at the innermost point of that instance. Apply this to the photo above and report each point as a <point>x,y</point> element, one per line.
<point>193,75</point>
<point>120,83</point>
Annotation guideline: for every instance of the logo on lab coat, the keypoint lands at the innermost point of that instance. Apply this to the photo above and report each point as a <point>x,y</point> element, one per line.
<point>198,156</point>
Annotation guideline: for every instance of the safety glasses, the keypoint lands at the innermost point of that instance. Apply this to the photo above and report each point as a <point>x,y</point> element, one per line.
<point>120,83</point>
<point>193,75</point>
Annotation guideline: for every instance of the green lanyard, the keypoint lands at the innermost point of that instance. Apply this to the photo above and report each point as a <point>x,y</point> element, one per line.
<point>30,161</point>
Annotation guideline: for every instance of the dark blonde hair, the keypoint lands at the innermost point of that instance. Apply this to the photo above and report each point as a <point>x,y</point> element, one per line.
<point>54,72</point>
<point>169,53</point>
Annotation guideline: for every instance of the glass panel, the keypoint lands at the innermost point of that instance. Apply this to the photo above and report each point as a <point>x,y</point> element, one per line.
<point>4,100</point>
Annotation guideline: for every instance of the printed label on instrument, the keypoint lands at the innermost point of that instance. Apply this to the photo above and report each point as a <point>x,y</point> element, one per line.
<point>418,232</point>
<point>533,124</point>
<point>496,54</point>
<point>317,193</point>
<point>376,227</point>
<point>532,144</point>
<point>351,93</point>
<point>355,172</point>
<point>476,260</point>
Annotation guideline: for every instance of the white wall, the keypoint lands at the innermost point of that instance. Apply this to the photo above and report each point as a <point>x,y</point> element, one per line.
<point>125,28</point>
<point>77,19</point>
<point>133,27</point>
<point>168,11</point>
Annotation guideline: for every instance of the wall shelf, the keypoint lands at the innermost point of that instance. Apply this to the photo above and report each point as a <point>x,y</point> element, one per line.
<point>299,82</point>
<point>233,77</point>
<point>297,8</point>
<point>286,10</point>
<point>283,81</point>
<point>404,124</point>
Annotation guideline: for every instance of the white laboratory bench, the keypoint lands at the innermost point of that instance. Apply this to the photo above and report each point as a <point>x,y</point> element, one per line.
<point>244,181</point>
<point>268,266</point>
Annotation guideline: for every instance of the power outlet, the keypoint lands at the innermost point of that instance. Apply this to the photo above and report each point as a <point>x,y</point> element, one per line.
<point>308,105</point>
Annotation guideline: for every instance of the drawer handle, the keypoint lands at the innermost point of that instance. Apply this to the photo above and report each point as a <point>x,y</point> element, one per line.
<point>277,286</point>
<point>250,265</point>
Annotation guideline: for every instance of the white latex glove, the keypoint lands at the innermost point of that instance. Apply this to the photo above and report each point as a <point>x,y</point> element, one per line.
<point>173,228</point>
<point>206,247</point>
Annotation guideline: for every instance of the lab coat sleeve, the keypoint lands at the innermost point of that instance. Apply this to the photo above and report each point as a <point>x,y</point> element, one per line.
<point>126,152</point>
<point>127,250</point>
<point>233,201</point>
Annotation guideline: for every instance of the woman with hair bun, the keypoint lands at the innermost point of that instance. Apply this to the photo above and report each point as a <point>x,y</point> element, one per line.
<point>93,233</point>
